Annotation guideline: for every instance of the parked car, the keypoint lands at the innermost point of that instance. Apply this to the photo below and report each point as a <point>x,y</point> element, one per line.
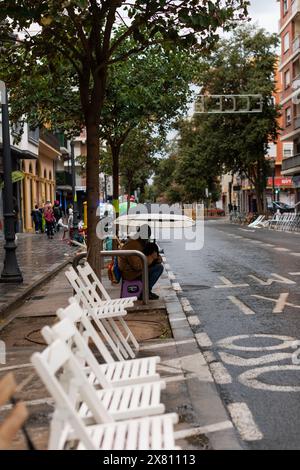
<point>282,207</point>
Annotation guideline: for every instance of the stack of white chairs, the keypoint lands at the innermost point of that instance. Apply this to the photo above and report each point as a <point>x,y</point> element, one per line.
<point>103,400</point>
<point>107,313</point>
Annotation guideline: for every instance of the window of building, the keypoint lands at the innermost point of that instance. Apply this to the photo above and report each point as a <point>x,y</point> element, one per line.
<point>287,78</point>
<point>288,116</point>
<point>286,42</point>
<point>33,135</point>
<point>288,149</point>
<point>285,6</point>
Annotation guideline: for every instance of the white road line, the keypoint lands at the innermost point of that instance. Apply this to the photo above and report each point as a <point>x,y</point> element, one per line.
<point>220,373</point>
<point>281,302</point>
<point>167,267</point>
<point>176,286</point>
<point>243,307</point>
<point>269,245</point>
<point>203,340</point>
<point>194,320</point>
<point>275,278</point>
<point>294,274</point>
<point>234,360</point>
<point>282,249</point>
<point>171,276</point>
<point>295,254</point>
<point>222,426</point>
<point>244,422</point>
<point>250,379</point>
<point>19,366</point>
<point>258,242</point>
<point>228,284</point>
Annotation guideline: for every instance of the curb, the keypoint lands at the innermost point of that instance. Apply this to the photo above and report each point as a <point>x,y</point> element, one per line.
<point>6,313</point>
<point>209,409</point>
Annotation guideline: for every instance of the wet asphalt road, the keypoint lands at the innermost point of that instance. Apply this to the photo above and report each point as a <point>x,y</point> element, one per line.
<point>258,372</point>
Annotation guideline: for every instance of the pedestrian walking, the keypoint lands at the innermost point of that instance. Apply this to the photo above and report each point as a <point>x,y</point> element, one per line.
<point>49,219</point>
<point>37,219</point>
<point>58,213</point>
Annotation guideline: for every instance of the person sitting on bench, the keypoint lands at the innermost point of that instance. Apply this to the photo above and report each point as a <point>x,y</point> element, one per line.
<point>131,267</point>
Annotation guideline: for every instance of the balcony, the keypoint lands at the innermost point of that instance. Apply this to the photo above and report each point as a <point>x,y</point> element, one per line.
<point>291,166</point>
<point>63,143</point>
<point>50,139</point>
<point>63,179</point>
<point>295,7</point>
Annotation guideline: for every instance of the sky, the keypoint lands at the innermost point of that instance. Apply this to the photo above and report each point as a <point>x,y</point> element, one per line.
<point>266,13</point>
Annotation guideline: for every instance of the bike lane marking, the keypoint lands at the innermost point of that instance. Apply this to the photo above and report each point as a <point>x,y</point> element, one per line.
<point>242,307</point>
<point>250,378</point>
<point>281,302</point>
<point>227,284</point>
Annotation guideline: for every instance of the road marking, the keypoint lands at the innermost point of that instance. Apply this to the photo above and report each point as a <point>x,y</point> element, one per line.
<point>194,320</point>
<point>243,307</point>
<point>247,230</point>
<point>176,286</point>
<point>269,245</point>
<point>294,274</point>
<point>228,284</point>
<point>171,276</point>
<point>244,422</point>
<point>258,242</point>
<point>185,433</point>
<point>250,379</point>
<point>167,267</point>
<point>281,302</point>
<point>295,254</point>
<point>287,342</point>
<point>203,340</point>
<point>282,249</point>
<point>279,279</point>
<point>220,373</point>
<point>233,360</point>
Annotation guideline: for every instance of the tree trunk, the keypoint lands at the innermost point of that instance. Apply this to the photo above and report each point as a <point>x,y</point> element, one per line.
<point>115,151</point>
<point>93,194</point>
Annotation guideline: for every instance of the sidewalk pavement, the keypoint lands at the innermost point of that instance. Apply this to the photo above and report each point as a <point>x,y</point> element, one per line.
<point>162,328</point>
<point>39,259</point>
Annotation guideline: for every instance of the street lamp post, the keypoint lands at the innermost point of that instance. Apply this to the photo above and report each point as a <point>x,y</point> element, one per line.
<point>74,194</point>
<point>11,272</point>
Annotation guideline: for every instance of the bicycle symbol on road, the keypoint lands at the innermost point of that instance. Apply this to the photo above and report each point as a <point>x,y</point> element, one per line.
<point>270,354</point>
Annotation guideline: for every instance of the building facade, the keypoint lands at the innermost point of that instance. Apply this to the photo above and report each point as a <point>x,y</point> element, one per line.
<point>289,29</point>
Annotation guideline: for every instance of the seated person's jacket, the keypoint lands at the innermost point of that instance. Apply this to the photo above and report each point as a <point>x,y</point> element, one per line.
<point>131,267</point>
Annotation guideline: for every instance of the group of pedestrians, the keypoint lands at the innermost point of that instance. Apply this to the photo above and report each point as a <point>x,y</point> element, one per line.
<point>47,218</point>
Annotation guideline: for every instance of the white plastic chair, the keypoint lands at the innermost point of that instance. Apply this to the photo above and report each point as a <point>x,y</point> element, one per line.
<point>92,426</point>
<point>114,374</point>
<point>104,313</point>
<point>90,278</point>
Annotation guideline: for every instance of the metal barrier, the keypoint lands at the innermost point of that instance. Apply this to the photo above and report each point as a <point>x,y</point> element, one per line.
<point>145,273</point>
